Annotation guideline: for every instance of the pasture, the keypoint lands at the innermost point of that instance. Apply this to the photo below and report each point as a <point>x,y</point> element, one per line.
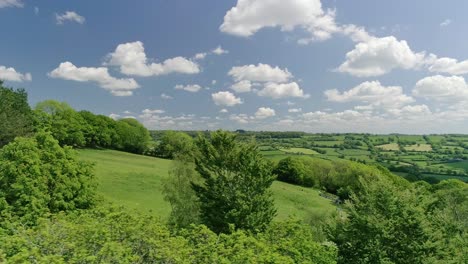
<point>134,181</point>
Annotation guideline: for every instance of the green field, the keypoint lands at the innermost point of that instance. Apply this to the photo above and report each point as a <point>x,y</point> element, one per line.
<point>391,146</point>
<point>134,181</point>
<point>300,151</point>
<point>419,147</point>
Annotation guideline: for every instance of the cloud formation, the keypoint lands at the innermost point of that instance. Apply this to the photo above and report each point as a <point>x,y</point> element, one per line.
<point>100,75</point>
<point>10,74</point>
<point>225,99</point>
<point>131,59</point>
<point>69,16</point>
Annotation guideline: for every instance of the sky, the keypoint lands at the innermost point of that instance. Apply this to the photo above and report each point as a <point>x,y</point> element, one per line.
<point>298,65</point>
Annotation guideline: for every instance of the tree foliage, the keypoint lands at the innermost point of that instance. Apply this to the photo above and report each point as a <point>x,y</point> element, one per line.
<point>173,144</point>
<point>236,184</point>
<point>37,177</point>
<point>16,118</point>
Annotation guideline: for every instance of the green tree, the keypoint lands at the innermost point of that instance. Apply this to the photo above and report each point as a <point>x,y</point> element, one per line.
<point>37,176</point>
<point>236,184</point>
<point>177,190</point>
<point>132,136</point>
<point>66,125</point>
<point>173,144</point>
<point>384,224</point>
<point>16,117</point>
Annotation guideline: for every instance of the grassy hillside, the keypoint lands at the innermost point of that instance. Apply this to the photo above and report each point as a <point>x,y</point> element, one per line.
<point>135,182</point>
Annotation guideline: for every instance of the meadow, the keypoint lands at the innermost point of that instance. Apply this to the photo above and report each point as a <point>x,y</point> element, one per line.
<point>134,181</point>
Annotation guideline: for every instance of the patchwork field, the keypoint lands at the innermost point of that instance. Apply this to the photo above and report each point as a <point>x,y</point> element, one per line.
<point>389,147</point>
<point>419,147</point>
<point>134,181</point>
<point>300,151</point>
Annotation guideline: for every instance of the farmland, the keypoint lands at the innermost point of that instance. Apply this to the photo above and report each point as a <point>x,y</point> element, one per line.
<point>429,157</point>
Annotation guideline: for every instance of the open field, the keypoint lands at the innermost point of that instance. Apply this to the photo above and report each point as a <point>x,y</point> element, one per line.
<point>389,147</point>
<point>300,151</point>
<point>134,181</point>
<point>419,147</point>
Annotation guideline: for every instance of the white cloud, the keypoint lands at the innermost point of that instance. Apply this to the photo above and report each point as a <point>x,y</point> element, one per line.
<point>225,99</point>
<point>36,10</point>
<point>446,22</point>
<point>240,118</point>
<point>447,65</point>
<point>411,111</point>
<point>10,74</point>
<point>100,75</point>
<point>114,116</point>
<point>132,60</point>
<point>242,86</point>
<point>219,51</point>
<point>264,112</point>
<point>260,73</point>
<point>295,110</point>
<point>166,97</point>
<point>200,56</point>
<point>373,93</point>
<point>250,16</point>
<point>11,3</point>
<point>379,56</point>
<point>444,89</point>
<point>224,110</point>
<point>282,90</point>
<point>69,16</point>
<point>152,111</point>
<point>213,82</point>
<point>193,88</point>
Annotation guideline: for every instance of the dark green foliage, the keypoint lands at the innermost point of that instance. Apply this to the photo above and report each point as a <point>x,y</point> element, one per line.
<point>85,129</point>
<point>37,176</point>
<point>386,223</point>
<point>296,171</point>
<point>236,184</point>
<point>16,117</point>
<point>174,144</point>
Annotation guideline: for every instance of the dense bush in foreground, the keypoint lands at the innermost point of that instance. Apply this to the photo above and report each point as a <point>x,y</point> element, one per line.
<point>113,235</point>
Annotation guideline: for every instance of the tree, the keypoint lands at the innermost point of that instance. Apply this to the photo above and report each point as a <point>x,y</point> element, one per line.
<point>37,176</point>
<point>66,125</point>
<point>236,184</point>
<point>385,224</point>
<point>174,144</point>
<point>133,136</point>
<point>16,117</point>
<point>177,190</point>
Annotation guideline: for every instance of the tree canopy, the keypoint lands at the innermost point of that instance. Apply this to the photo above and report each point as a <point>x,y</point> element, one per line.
<point>236,184</point>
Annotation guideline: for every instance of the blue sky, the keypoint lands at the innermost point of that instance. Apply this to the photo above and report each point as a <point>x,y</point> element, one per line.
<point>318,66</point>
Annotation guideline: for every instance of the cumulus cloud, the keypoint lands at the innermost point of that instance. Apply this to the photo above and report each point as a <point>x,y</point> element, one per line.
<point>11,3</point>
<point>70,16</point>
<point>10,74</point>
<point>264,112</point>
<point>224,110</point>
<point>100,75</point>
<point>193,88</point>
<point>260,73</point>
<point>242,86</point>
<point>219,51</point>
<point>225,99</point>
<point>132,60</point>
<point>444,89</point>
<point>166,97</point>
<point>250,16</point>
<point>200,56</point>
<point>282,90</point>
<point>447,65</point>
<point>372,92</point>
<point>379,56</point>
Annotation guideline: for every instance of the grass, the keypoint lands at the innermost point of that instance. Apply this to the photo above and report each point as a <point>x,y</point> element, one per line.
<point>134,181</point>
<point>300,151</point>
<point>390,147</point>
<point>419,147</point>
<point>459,165</point>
